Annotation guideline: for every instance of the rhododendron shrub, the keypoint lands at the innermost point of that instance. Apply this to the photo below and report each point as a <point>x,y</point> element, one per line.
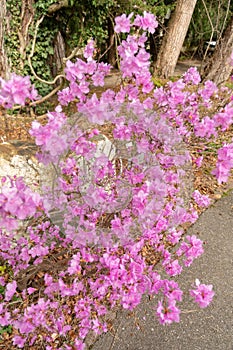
<point>121,171</point>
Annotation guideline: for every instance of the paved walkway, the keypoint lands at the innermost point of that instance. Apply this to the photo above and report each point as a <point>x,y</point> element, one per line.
<point>199,329</point>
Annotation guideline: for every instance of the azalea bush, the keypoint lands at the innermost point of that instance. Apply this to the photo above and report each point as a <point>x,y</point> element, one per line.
<point>121,169</point>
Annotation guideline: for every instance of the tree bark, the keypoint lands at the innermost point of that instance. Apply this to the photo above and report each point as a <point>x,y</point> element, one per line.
<point>174,38</point>
<point>3,55</point>
<point>59,54</point>
<point>27,18</point>
<point>219,68</point>
<point>111,44</point>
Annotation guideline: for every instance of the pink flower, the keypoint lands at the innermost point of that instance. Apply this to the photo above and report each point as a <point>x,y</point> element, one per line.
<point>173,268</point>
<point>79,345</point>
<point>224,163</point>
<point>76,70</point>
<point>31,290</point>
<point>192,250</point>
<point>19,200</point>
<point>131,299</point>
<point>221,172</point>
<point>122,132</point>
<point>5,319</point>
<point>192,76</point>
<point>89,50</point>
<point>74,265</point>
<point>200,199</point>
<point>2,281</point>
<point>16,90</point>
<point>174,236</point>
<point>123,24</point>
<point>209,89</point>
<point>10,290</point>
<point>198,161</point>
<point>146,22</point>
<point>98,79</point>
<point>19,341</point>
<point>205,128</point>
<point>171,290</point>
<point>203,294</point>
<point>168,313</point>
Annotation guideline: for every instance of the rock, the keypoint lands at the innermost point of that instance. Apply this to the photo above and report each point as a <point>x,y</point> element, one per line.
<point>18,158</point>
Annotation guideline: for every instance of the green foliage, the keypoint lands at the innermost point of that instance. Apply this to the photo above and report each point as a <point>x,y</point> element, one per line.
<point>44,43</point>
<point>160,8</point>
<point>86,19</point>
<point>2,290</point>
<point>11,40</point>
<point>2,271</point>
<point>229,84</point>
<point>41,6</point>
<point>42,56</point>
<point>6,329</point>
<point>158,82</point>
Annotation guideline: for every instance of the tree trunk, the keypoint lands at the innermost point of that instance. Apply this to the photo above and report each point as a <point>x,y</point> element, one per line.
<point>15,22</point>
<point>27,18</point>
<point>218,68</point>
<point>111,44</point>
<point>59,54</point>
<point>3,55</point>
<point>174,38</point>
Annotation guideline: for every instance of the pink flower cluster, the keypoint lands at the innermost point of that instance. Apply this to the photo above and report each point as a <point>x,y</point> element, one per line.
<point>16,90</point>
<point>79,75</point>
<point>203,294</point>
<point>224,163</point>
<point>191,250</point>
<point>200,199</point>
<point>17,202</point>
<point>147,22</point>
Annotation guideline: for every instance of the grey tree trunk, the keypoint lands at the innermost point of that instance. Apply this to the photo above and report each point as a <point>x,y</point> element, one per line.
<point>174,38</point>
<point>218,68</point>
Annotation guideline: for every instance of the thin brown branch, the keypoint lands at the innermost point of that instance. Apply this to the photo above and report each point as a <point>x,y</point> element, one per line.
<point>212,30</point>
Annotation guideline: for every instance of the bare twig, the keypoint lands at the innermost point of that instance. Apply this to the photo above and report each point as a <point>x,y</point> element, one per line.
<point>73,54</point>
<point>225,18</point>
<point>108,48</point>
<point>117,39</point>
<point>212,30</point>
